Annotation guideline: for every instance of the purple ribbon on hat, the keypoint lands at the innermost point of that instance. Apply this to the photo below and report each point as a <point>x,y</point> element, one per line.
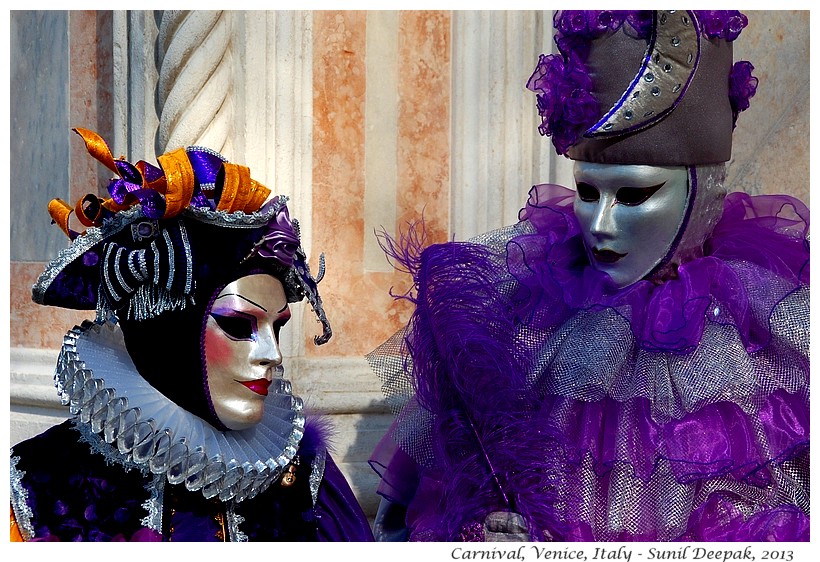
<point>280,241</point>
<point>132,183</point>
<point>130,186</point>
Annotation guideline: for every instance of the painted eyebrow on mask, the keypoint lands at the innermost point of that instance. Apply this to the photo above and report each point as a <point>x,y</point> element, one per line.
<point>247,300</point>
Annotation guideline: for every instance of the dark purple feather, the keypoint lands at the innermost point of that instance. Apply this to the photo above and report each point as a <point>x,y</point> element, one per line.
<point>490,448</point>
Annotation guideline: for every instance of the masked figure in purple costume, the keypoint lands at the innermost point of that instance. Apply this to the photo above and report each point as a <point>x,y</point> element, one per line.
<point>183,427</point>
<point>651,330</point>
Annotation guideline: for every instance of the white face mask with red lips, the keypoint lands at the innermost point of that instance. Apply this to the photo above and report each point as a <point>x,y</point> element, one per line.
<point>630,216</point>
<point>242,354</point>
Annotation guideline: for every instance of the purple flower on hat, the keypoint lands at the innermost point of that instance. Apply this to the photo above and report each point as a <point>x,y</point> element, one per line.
<point>609,20</point>
<point>280,241</point>
<point>570,22</point>
<point>565,104</point>
<point>742,86</point>
<point>577,28</point>
<point>641,21</point>
<point>590,24</point>
<point>562,84</point>
<point>722,24</point>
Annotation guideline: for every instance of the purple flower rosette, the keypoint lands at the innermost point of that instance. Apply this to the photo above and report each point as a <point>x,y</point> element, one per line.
<point>280,241</point>
<point>722,24</point>
<point>576,29</point>
<point>565,104</point>
<point>562,84</point>
<point>742,86</point>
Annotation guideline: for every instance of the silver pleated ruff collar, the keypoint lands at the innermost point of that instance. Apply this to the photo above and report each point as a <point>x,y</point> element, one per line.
<point>97,380</point>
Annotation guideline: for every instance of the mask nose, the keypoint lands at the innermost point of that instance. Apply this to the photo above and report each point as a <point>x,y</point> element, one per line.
<point>603,224</point>
<point>267,352</point>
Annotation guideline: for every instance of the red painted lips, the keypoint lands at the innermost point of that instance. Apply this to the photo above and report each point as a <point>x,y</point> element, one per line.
<point>259,386</point>
<point>606,256</point>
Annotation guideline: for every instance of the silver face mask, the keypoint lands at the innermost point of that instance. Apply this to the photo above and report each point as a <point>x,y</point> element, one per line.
<point>242,355</point>
<point>630,216</point>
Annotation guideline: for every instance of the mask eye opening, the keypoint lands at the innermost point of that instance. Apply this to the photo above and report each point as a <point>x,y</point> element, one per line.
<point>236,326</point>
<point>633,196</point>
<point>586,192</point>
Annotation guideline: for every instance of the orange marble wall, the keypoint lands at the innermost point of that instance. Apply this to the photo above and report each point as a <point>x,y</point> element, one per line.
<point>424,121</point>
<point>90,93</point>
<point>358,303</point>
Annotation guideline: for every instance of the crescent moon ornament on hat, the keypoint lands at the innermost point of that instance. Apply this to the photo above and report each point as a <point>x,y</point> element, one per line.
<point>669,65</point>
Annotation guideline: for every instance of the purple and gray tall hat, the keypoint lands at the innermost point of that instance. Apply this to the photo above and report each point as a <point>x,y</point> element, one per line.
<point>162,247</point>
<point>643,87</point>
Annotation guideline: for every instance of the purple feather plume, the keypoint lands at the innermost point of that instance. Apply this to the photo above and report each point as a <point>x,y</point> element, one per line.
<point>319,434</point>
<point>490,448</point>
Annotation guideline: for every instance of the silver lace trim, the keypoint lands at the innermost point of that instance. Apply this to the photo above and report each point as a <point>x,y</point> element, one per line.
<point>317,473</point>
<point>234,520</point>
<point>153,505</point>
<point>237,219</point>
<point>81,245</point>
<point>121,433</point>
<point>205,149</point>
<point>149,301</point>
<point>19,501</point>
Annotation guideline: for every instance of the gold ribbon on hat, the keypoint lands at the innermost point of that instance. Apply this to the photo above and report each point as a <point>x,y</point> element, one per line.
<point>177,185</point>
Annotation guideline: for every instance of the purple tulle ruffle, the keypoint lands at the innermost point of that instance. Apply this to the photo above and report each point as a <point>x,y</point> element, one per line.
<point>597,429</point>
<point>742,86</point>
<point>682,403</point>
<point>564,99</point>
<point>759,243</point>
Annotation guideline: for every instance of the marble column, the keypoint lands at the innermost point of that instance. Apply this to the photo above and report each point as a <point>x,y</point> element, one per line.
<point>497,154</point>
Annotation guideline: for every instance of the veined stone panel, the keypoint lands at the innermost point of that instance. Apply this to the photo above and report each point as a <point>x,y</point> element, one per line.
<point>770,152</point>
<point>357,298</point>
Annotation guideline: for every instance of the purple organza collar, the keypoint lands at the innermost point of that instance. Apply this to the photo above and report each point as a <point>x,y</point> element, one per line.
<point>759,241</point>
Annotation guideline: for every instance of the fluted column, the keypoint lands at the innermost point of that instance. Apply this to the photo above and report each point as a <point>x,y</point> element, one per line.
<point>497,151</point>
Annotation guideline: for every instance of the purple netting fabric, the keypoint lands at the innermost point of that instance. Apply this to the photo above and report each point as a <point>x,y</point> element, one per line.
<point>682,406</point>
